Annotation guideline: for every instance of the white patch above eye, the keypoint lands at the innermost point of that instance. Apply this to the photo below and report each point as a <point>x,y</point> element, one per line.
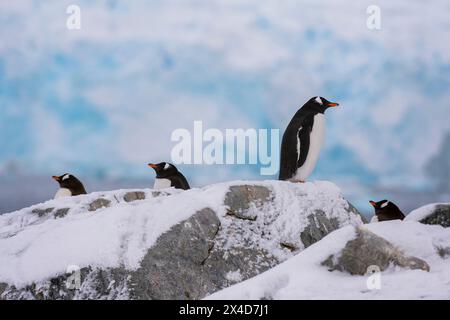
<point>384,204</point>
<point>167,166</point>
<point>67,176</point>
<point>318,100</point>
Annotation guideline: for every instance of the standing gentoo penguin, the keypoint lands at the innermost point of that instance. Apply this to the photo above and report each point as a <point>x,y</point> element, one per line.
<point>386,210</point>
<point>69,185</point>
<point>167,175</point>
<point>303,140</point>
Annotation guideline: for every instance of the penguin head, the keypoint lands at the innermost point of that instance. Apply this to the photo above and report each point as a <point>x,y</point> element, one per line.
<point>320,104</point>
<point>382,206</point>
<point>68,181</point>
<point>163,169</point>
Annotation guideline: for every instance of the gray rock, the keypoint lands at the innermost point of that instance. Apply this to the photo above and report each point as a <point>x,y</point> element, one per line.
<point>133,196</point>
<point>3,287</point>
<point>162,276</point>
<point>199,268</point>
<point>60,213</point>
<point>42,212</point>
<point>440,216</point>
<point>196,257</point>
<point>243,200</point>
<point>319,226</point>
<point>98,204</point>
<point>290,246</point>
<point>368,249</point>
<point>443,252</point>
<point>95,284</point>
<point>160,193</point>
<point>352,209</point>
<point>183,264</point>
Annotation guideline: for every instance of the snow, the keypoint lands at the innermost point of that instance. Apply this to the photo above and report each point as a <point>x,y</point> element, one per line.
<point>302,277</point>
<point>422,212</point>
<point>34,248</point>
<point>234,276</point>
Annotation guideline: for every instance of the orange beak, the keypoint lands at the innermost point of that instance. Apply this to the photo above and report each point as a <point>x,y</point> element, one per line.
<point>332,104</point>
<point>153,166</point>
<point>373,203</point>
<point>56,178</point>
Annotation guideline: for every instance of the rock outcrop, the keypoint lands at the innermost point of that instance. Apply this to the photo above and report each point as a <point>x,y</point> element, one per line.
<point>438,214</point>
<point>369,250</point>
<point>254,228</point>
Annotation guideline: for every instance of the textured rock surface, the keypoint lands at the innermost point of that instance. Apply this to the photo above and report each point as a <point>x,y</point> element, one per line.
<point>440,215</point>
<point>355,211</point>
<point>443,252</point>
<point>133,196</point>
<point>42,212</point>
<point>98,204</point>
<point>95,284</point>
<point>207,252</point>
<point>60,213</point>
<point>243,201</point>
<point>3,287</point>
<point>368,249</point>
<point>319,226</point>
<point>174,267</point>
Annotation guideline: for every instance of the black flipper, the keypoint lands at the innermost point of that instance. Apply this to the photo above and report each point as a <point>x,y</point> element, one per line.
<point>304,135</point>
<point>179,182</point>
<point>289,159</point>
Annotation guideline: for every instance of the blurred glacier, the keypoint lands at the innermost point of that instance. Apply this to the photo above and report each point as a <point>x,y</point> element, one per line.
<point>102,101</point>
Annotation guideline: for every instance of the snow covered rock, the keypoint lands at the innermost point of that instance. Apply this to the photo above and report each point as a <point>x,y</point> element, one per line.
<point>166,244</point>
<point>368,250</point>
<point>304,277</point>
<point>438,213</point>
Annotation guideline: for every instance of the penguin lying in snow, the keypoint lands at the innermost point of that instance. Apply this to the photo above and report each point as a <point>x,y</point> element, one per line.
<point>69,186</point>
<point>386,210</point>
<point>167,175</point>
<point>303,140</point>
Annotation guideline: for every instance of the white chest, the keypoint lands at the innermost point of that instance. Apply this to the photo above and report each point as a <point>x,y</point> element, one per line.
<point>162,184</point>
<point>63,192</point>
<point>316,140</point>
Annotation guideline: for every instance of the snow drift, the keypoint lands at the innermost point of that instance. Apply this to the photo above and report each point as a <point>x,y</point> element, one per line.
<point>304,277</point>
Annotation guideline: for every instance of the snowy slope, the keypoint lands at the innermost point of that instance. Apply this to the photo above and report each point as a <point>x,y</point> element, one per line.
<point>422,212</point>
<point>302,277</point>
<point>34,246</point>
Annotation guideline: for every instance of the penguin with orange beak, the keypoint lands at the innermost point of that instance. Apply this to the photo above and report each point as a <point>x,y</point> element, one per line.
<point>386,210</point>
<point>167,176</point>
<point>69,186</point>
<point>303,140</point>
